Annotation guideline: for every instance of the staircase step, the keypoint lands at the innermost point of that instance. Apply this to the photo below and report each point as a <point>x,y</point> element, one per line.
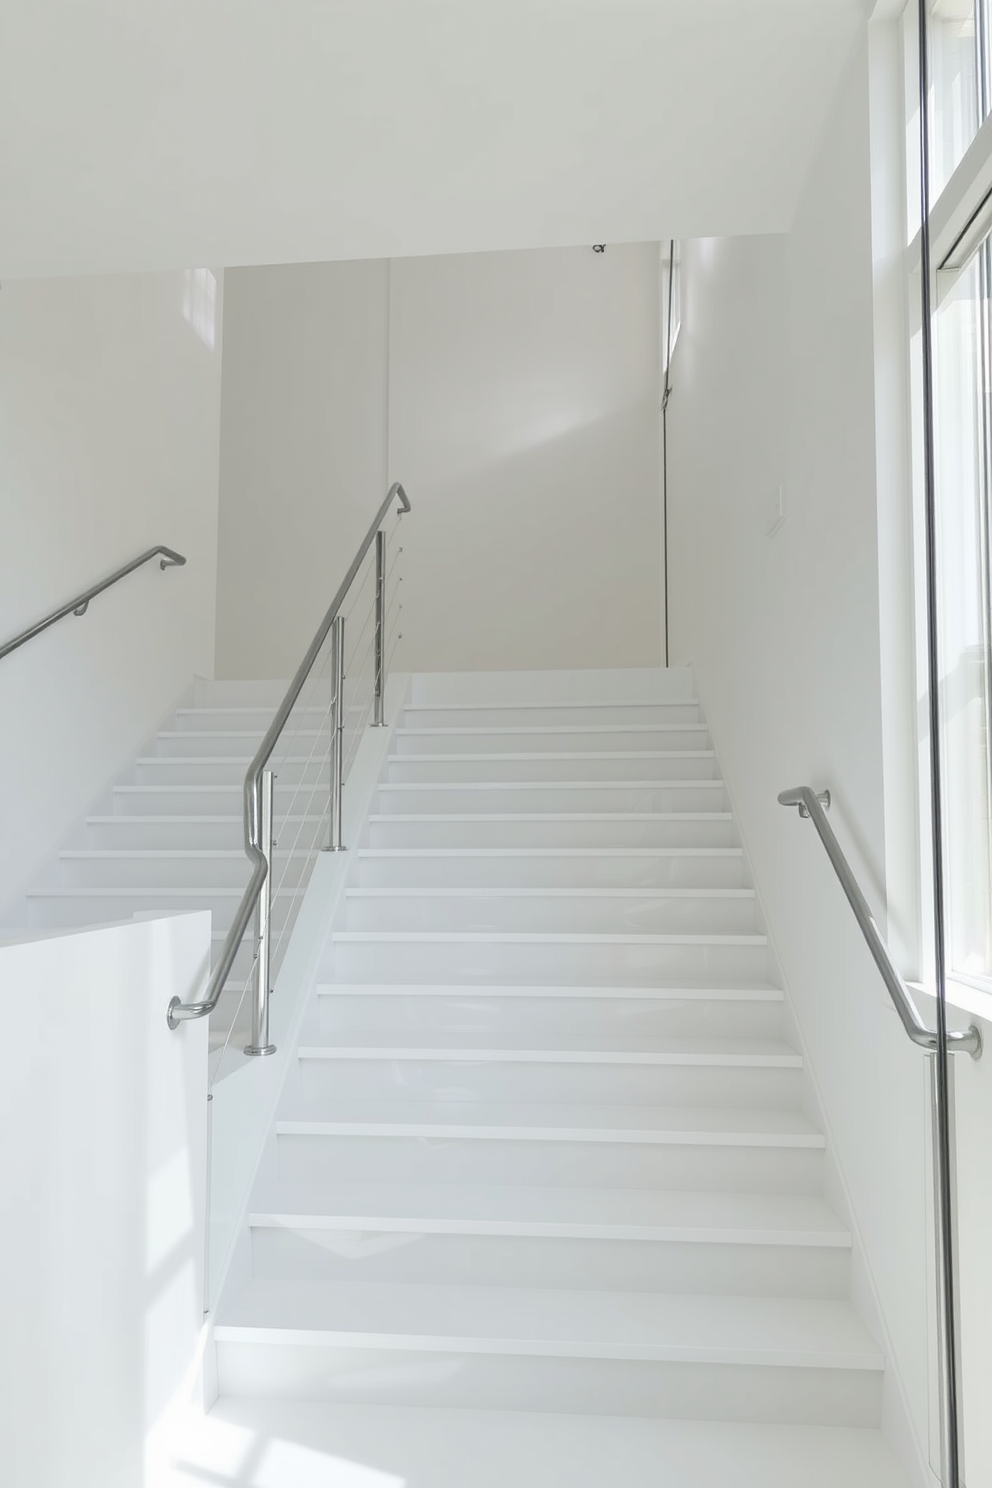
<point>488,956</point>
<point>534,739</point>
<point>588,1238</point>
<point>673,764</point>
<point>563,910</point>
<point>141,868</point>
<point>218,770</point>
<point>329,1142</point>
<point>714,1072</point>
<point>356,1012</point>
<point>556,796</point>
<point>636,867</point>
<point>436,1448</point>
<point>179,831</point>
<point>248,719</point>
<point>552,829</point>
<point>638,1353</point>
<point>234,743</point>
<point>290,799</point>
<point>549,715</point>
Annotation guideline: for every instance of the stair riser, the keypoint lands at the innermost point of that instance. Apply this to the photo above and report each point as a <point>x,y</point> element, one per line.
<point>695,1168</point>
<point>561,834</point>
<point>412,771</point>
<point>560,871</point>
<point>185,743</point>
<point>165,833</point>
<point>604,1019</point>
<point>246,720</point>
<point>348,1374</point>
<point>555,741</point>
<point>211,800</point>
<point>421,800</point>
<point>69,909</point>
<point>221,772</point>
<point>552,914</point>
<point>637,965</point>
<point>578,1084</point>
<point>173,873</point>
<point>227,693</point>
<point>563,716</point>
<point>691,1267</point>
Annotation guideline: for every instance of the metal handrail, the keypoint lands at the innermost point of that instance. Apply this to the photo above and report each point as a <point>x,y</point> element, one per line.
<point>810,804</point>
<point>79,605</point>
<point>180,1011</point>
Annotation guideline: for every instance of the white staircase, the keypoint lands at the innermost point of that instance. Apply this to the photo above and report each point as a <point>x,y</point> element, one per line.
<point>541,1207</point>
<point>168,835</point>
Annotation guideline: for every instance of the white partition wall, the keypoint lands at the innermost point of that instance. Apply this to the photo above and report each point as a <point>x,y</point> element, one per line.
<point>103,1176</point>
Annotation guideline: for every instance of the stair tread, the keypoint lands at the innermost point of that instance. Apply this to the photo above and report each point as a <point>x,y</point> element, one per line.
<point>538,937</point>
<point>689,702</point>
<point>376,853</point>
<point>431,1447</point>
<point>736,992</point>
<point>645,1214</point>
<point>558,754</point>
<point>541,785</point>
<point>541,891</point>
<point>696,1125</point>
<point>534,816</point>
<point>713,1052</point>
<point>782,1332</point>
<point>552,728</point>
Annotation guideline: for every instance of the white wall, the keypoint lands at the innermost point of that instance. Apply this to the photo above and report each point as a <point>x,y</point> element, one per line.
<point>303,451</point>
<point>775,382</point>
<point>109,433</point>
<point>524,423</point>
<point>522,419</point>
<point>103,1175</point>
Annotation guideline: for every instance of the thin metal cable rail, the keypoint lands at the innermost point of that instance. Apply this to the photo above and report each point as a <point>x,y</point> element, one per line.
<point>812,805</point>
<point>81,603</point>
<point>258,792</point>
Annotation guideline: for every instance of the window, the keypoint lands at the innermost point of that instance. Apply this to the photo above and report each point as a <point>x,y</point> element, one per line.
<point>957,87</point>
<point>963,410</point>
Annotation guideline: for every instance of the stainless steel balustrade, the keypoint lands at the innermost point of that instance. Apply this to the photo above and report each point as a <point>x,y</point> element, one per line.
<point>78,606</point>
<point>811,805</point>
<point>256,900</point>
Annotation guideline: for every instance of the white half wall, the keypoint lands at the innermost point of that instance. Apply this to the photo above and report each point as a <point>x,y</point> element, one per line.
<point>303,451</point>
<point>103,1175</point>
<point>109,443</point>
<point>524,394</point>
<point>774,381</point>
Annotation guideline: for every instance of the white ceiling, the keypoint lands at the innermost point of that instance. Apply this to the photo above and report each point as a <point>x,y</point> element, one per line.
<point>145,134</point>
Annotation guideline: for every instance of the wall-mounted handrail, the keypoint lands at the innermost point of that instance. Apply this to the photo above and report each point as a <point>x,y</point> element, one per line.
<point>809,804</point>
<point>81,603</point>
<point>179,1011</point>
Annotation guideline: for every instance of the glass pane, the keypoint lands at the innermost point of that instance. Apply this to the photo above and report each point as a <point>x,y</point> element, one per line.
<point>961,407</point>
<point>956,84</point>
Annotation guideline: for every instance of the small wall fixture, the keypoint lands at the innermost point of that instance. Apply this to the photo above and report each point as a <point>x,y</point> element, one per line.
<point>599,247</point>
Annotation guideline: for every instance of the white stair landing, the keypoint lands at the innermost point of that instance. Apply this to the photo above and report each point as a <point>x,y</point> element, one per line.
<point>304,1444</point>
